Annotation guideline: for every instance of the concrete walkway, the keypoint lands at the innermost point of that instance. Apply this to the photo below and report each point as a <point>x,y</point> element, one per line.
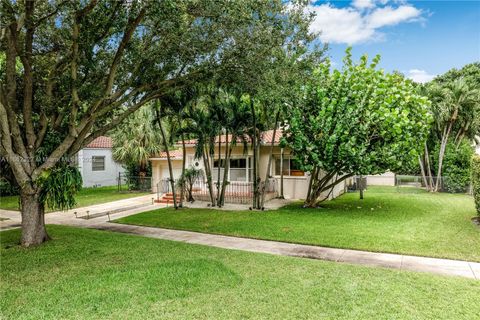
<point>395,261</point>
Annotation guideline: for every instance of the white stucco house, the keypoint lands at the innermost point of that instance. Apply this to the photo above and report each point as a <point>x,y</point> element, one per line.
<point>295,183</point>
<point>96,163</point>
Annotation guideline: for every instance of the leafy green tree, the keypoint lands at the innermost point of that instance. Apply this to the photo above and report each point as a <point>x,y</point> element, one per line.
<point>136,139</point>
<point>476,181</point>
<point>456,167</point>
<point>87,65</point>
<point>357,120</point>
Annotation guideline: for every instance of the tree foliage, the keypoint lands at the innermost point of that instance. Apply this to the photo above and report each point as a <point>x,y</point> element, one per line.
<point>476,181</point>
<point>137,139</point>
<point>59,186</point>
<point>357,120</point>
<point>188,179</point>
<point>455,98</point>
<point>74,70</point>
<point>456,174</point>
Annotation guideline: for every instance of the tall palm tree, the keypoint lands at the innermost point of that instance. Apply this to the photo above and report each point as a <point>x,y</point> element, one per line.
<point>454,105</point>
<point>136,139</point>
<point>200,125</point>
<point>173,110</point>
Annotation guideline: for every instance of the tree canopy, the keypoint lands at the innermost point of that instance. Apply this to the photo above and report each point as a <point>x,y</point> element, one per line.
<point>73,70</point>
<point>357,120</point>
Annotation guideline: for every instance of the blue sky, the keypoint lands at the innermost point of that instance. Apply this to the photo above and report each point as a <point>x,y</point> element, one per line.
<point>418,38</point>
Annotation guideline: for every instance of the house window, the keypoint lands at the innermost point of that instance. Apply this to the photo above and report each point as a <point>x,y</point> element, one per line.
<point>290,167</point>
<point>237,169</point>
<point>98,163</point>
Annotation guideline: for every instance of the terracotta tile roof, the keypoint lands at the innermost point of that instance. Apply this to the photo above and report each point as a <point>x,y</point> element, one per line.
<point>174,154</point>
<point>266,138</point>
<point>268,135</point>
<point>101,142</point>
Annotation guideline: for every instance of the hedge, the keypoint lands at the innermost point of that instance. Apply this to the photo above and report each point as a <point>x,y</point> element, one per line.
<point>476,181</point>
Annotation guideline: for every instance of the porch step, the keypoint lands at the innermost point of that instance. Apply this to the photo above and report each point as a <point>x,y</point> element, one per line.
<point>168,198</point>
<point>165,201</point>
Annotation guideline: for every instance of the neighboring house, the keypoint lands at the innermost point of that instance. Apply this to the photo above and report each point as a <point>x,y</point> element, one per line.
<point>240,172</point>
<point>96,163</point>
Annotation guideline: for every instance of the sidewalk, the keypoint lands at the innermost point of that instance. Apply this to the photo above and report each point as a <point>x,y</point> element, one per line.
<point>395,261</point>
<point>143,203</point>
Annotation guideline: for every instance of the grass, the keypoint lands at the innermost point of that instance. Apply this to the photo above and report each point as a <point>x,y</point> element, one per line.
<point>409,222</point>
<point>90,274</point>
<point>85,197</point>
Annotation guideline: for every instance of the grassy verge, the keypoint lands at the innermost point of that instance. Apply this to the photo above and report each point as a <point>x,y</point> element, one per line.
<point>86,197</point>
<point>90,274</point>
<point>410,222</point>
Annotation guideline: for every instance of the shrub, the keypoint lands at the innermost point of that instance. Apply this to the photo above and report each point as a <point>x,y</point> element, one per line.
<point>457,167</point>
<point>7,189</point>
<point>476,181</point>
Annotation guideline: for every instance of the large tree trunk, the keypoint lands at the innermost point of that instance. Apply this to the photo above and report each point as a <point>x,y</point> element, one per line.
<point>208,174</point>
<point>428,168</point>
<point>270,156</point>
<point>33,220</point>
<point>422,170</point>
<point>320,185</point>
<point>441,154</point>
<point>184,156</point>
<point>282,196</point>
<point>228,153</point>
<point>361,186</point>
<point>219,166</point>
<point>255,158</point>
<point>169,161</point>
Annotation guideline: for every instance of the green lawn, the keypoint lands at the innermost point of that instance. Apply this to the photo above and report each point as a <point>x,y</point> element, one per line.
<point>85,197</point>
<point>90,274</point>
<point>410,222</point>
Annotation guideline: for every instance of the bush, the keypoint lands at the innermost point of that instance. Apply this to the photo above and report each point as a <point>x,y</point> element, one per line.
<point>476,181</point>
<point>7,189</point>
<point>457,167</point>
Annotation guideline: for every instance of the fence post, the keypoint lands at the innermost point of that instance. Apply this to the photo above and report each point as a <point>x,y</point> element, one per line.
<point>119,181</point>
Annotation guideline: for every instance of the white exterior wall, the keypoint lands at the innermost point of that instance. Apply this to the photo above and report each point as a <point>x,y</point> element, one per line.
<point>385,179</point>
<point>294,187</point>
<point>107,177</point>
<point>160,171</point>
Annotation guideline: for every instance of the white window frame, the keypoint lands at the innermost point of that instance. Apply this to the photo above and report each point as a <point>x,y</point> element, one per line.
<point>285,158</point>
<point>215,169</point>
<point>94,163</point>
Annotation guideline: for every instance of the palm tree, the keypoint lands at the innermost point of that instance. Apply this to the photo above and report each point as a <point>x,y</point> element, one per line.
<point>236,121</point>
<point>173,110</point>
<point>136,139</point>
<point>455,106</point>
<point>200,125</point>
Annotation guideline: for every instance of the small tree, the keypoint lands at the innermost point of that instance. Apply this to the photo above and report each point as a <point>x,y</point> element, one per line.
<point>476,181</point>
<point>355,120</point>
<point>188,179</point>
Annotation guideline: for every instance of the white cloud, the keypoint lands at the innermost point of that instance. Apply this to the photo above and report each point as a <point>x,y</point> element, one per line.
<point>359,22</point>
<point>420,76</point>
<point>389,16</point>
<point>362,4</point>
